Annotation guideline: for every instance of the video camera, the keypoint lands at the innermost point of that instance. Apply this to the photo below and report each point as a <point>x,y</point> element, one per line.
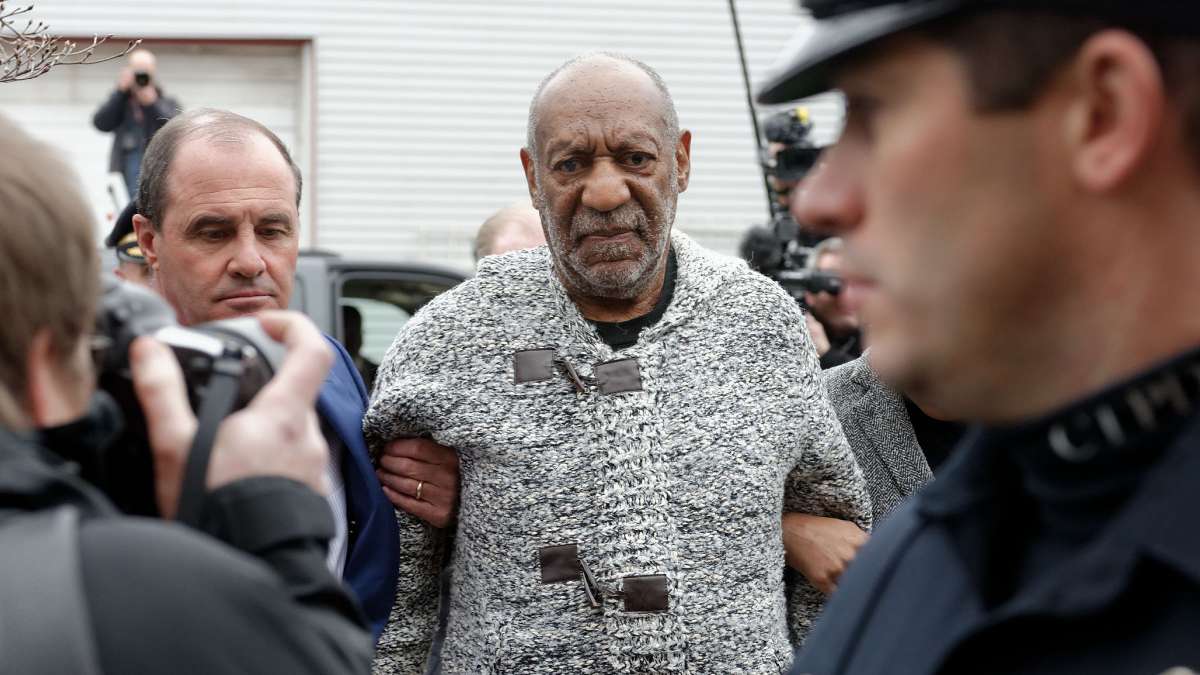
<point>799,282</point>
<point>225,363</point>
<point>781,249</point>
<point>792,129</point>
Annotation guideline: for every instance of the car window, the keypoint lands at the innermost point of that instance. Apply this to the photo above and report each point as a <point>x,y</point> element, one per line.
<point>373,307</point>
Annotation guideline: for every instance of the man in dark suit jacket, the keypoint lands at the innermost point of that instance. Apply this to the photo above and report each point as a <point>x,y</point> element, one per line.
<point>219,225</point>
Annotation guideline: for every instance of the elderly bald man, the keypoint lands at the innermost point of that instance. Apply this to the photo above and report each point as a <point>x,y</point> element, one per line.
<point>632,414</point>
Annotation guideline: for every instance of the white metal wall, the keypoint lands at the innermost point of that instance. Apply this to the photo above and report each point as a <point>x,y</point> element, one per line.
<point>420,104</point>
<point>261,81</point>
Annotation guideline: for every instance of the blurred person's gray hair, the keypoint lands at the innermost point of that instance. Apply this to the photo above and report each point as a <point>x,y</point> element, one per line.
<point>670,116</point>
<point>824,247</point>
<point>215,126</point>
<point>49,265</point>
<point>493,227</point>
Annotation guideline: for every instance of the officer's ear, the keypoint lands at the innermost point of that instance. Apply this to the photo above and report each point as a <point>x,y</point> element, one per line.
<point>1116,109</point>
<point>146,237</point>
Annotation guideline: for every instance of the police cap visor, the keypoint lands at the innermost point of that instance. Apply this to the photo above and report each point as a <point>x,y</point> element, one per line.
<point>844,27</point>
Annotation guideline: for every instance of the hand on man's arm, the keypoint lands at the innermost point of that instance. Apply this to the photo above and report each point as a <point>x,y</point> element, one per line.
<point>820,548</point>
<point>421,477</point>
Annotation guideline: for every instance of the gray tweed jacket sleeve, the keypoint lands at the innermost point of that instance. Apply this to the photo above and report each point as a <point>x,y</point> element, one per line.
<point>826,482</point>
<point>880,434</point>
<point>409,366</point>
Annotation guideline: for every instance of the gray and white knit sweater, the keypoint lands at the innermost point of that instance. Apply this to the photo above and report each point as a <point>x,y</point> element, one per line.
<point>686,477</point>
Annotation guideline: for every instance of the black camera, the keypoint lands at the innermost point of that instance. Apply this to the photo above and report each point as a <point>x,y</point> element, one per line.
<point>790,127</point>
<point>794,162</point>
<point>811,281</point>
<point>225,363</point>
<point>142,78</point>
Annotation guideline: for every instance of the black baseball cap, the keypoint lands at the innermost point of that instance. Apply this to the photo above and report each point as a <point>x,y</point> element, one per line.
<point>844,27</point>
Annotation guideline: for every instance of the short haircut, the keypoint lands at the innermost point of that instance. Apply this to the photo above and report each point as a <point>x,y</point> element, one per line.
<point>494,226</point>
<point>49,265</point>
<point>669,114</point>
<point>216,126</point>
<point>1011,56</point>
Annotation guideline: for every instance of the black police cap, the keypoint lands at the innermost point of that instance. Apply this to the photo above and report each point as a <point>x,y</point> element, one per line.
<point>122,227</point>
<point>845,26</point>
<point>123,239</point>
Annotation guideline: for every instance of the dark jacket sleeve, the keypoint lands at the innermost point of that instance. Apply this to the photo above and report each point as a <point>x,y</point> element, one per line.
<point>164,598</point>
<point>835,357</point>
<point>112,112</point>
<point>160,112</point>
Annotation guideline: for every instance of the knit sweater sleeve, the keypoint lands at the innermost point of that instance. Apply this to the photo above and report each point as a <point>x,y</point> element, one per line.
<point>826,481</point>
<point>411,393</point>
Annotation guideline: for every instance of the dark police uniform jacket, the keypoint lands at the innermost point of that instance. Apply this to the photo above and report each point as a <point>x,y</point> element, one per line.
<point>1128,602</point>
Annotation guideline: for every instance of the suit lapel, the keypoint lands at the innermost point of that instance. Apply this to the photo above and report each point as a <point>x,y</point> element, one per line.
<point>372,555</point>
<point>890,430</point>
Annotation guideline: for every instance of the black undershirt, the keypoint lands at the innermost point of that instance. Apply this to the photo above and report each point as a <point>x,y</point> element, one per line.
<point>622,334</point>
<point>936,437</point>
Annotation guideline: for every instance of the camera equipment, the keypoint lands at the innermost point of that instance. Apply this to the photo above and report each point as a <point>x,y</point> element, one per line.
<point>142,78</point>
<point>224,363</point>
<point>789,127</point>
<point>810,281</point>
<point>793,162</point>
<point>780,249</point>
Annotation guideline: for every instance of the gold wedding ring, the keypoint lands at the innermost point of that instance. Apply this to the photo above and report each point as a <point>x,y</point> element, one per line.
<point>420,486</point>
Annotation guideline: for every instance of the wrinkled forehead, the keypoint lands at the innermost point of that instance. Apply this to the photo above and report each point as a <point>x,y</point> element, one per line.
<point>607,97</point>
<point>242,162</point>
<point>588,132</point>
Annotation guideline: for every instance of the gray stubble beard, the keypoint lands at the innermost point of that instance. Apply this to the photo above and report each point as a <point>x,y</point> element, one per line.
<point>578,276</point>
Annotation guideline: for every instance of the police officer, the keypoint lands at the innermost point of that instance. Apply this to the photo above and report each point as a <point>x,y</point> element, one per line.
<point>1018,186</point>
<point>131,262</point>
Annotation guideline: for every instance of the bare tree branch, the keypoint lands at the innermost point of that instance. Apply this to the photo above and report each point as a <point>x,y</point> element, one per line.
<point>27,51</point>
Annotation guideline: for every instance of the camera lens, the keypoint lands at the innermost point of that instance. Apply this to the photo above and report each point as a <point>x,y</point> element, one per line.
<point>141,78</point>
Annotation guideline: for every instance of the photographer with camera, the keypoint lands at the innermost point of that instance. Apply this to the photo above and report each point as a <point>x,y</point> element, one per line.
<point>833,322</point>
<point>84,589</point>
<point>134,112</point>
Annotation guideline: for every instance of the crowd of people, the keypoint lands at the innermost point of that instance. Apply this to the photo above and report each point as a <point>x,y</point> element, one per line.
<point>614,451</point>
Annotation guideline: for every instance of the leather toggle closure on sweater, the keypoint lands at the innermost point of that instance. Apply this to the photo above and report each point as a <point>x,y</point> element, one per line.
<point>640,593</point>
<point>611,377</point>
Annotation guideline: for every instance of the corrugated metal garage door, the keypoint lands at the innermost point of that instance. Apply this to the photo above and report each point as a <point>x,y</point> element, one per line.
<point>261,81</point>
<point>421,104</point>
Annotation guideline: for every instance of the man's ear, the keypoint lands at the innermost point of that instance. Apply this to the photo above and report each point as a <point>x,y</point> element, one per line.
<point>683,160</point>
<point>530,176</point>
<point>146,239</point>
<point>1117,112</point>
